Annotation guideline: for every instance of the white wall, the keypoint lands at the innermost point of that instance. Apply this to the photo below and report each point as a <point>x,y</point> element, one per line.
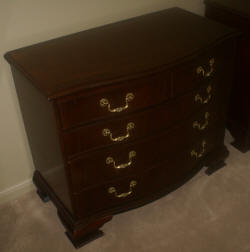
<point>24,22</point>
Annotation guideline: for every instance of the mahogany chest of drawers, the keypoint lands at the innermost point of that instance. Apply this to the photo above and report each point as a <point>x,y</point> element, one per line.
<point>119,115</point>
<point>237,15</point>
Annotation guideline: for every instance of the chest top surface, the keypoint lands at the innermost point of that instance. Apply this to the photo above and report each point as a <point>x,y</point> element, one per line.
<point>118,51</point>
<point>241,7</point>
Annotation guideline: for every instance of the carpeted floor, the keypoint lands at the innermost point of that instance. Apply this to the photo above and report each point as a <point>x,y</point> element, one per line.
<point>207,214</point>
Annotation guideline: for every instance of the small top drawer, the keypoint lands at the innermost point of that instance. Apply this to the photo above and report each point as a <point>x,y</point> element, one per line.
<point>205,68</point>
<point>190,74</point>
<point>114,100</point>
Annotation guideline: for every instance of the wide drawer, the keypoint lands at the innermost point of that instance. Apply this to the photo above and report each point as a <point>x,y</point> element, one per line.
<point>114,100</point>
<point>113,162</point>
<point>137,125</point>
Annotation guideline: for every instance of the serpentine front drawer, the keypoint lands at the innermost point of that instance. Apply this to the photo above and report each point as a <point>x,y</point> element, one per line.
<point>116,100</point>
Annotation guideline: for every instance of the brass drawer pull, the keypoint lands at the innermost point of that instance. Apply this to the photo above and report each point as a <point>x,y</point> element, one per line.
<point>199,155</point>
<point>201,70</point>
<point>197,125</point>
<point>110,160</point>
<point>198,98</point>
<point>105,102</point>
<point>107,132</point>
<point>123,195</point>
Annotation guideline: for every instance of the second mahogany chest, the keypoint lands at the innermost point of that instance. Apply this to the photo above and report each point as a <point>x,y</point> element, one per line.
<point>236,14</point>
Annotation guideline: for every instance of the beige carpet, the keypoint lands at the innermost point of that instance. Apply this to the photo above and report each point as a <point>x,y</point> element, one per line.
<point>208,214</point>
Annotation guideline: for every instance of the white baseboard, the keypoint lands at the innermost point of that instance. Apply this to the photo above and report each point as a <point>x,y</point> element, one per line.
<point>16,191</point>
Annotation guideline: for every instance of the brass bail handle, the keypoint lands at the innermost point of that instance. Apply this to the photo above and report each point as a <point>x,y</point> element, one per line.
<point>197,125</point>
<point>198,155</point>
<point>201,70</point>
<point>131,155</point>
<point>107,132</point>
<point>105,102</point>
<point>112,190</point>
<point>199,98</point>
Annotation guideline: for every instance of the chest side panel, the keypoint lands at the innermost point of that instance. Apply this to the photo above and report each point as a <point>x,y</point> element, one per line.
<point>40,124</point>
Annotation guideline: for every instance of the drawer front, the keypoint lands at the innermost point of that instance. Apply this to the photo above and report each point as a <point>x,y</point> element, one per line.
<point>135,157</point>
<point>137,125</point>
<point>209,67</point>
<point>114,100</point>
<point>186,77</point>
